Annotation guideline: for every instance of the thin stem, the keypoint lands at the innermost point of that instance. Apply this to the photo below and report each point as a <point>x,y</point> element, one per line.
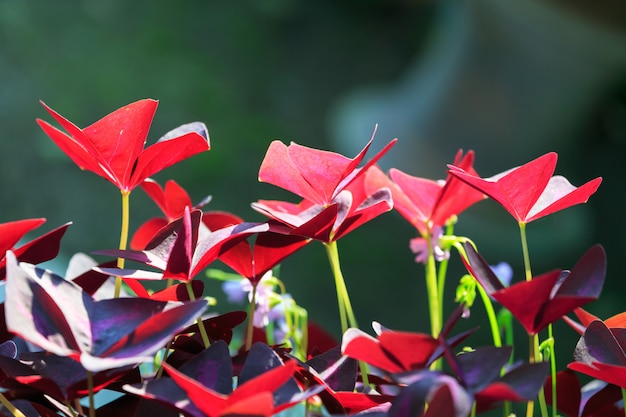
<point>533,348</point>
<point>12,409</point>
<point>491,315</point>
<point>92,404</point>
<point>443,269</point>
<point>250,327</point>
<point>553,369</point>
<point>530,407</point>
<point>436,315</point>
<point>527,270</point>
<point>123,238</point>
<point>199,322</point>
<point>624,400</point>
<point>340,283</point>
<point>70,408</point>
<point>159,371</point>
<point>342,296</point>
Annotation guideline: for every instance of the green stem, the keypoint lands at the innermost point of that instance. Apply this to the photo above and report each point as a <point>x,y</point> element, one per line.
<point>553,370</point>
<point>443,269</point>
<point>527,270</point>
<point>533,354</point>
<point>250,328</point>
<point>92,404</point>
<point>436,315</point>
<point>624,399</point>
<point>344,299</point>
<point>123,238</point>
<point>340,284</point>
<point>491,315</point>
<point>199,322</point>
<point>12,409</point>
<point>159,371</point>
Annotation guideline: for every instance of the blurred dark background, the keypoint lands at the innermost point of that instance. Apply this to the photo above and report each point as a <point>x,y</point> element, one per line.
<point>511,80</point>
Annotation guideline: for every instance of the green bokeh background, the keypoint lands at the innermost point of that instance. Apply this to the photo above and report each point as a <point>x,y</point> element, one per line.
<point>511,80</point>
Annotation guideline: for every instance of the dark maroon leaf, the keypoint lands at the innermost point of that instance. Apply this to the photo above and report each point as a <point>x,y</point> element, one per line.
<point>129,406</point>
<point>58,316</point>
<point>424,384</point>
<point>59,377</point>
<point>520,383</point>
<point>547,297</point>
<point>253,398</point>
<point>261,358</point>
<point>8,349</point>
<point>602,401</point>
<point>181,251</point>
<point>338,371</point>
<point>441,403</point>
<point>211,368</point>
<point>482,366</point>
<point>567,393</point>
<point>600,355</point>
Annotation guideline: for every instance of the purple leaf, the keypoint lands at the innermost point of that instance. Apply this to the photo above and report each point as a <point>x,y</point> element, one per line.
<point>212,368</point>
<point>261,358</point>
<point>482,366</point>
<point>58,316</point>
<point>339,372</point>
<point>547,297</point>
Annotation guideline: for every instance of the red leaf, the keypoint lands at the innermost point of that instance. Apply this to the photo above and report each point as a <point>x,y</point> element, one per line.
<point>113,147</point>
<point>529,192</point>
<point>313,174</point>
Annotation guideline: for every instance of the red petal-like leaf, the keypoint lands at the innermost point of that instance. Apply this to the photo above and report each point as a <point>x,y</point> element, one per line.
<point>112,147</point>
<point>441,404</point>
<point>161,155</point>
<point>527,300</point>
<point>253,398</point>
<point>179,292</point>
<point>172,199</point>
<point>12,232</point>
<point>42,248</point>
<point>456,196</point>
<point>516,190</point>
<point>146,232</point>
<point>219,219</point>
<point>313,174</point>
<point>120,136</point>
<point>77,147</point>
<point>375,179</point>
<point>559,195</point>
<point>269,250</point>
<point>392,351</point>
<point>422,194</point>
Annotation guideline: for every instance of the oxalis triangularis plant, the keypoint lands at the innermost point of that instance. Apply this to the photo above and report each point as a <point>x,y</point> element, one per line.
<point>165,352</point>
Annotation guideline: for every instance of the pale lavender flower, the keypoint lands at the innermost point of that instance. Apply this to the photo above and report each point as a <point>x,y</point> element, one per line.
<point>419,246</point>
